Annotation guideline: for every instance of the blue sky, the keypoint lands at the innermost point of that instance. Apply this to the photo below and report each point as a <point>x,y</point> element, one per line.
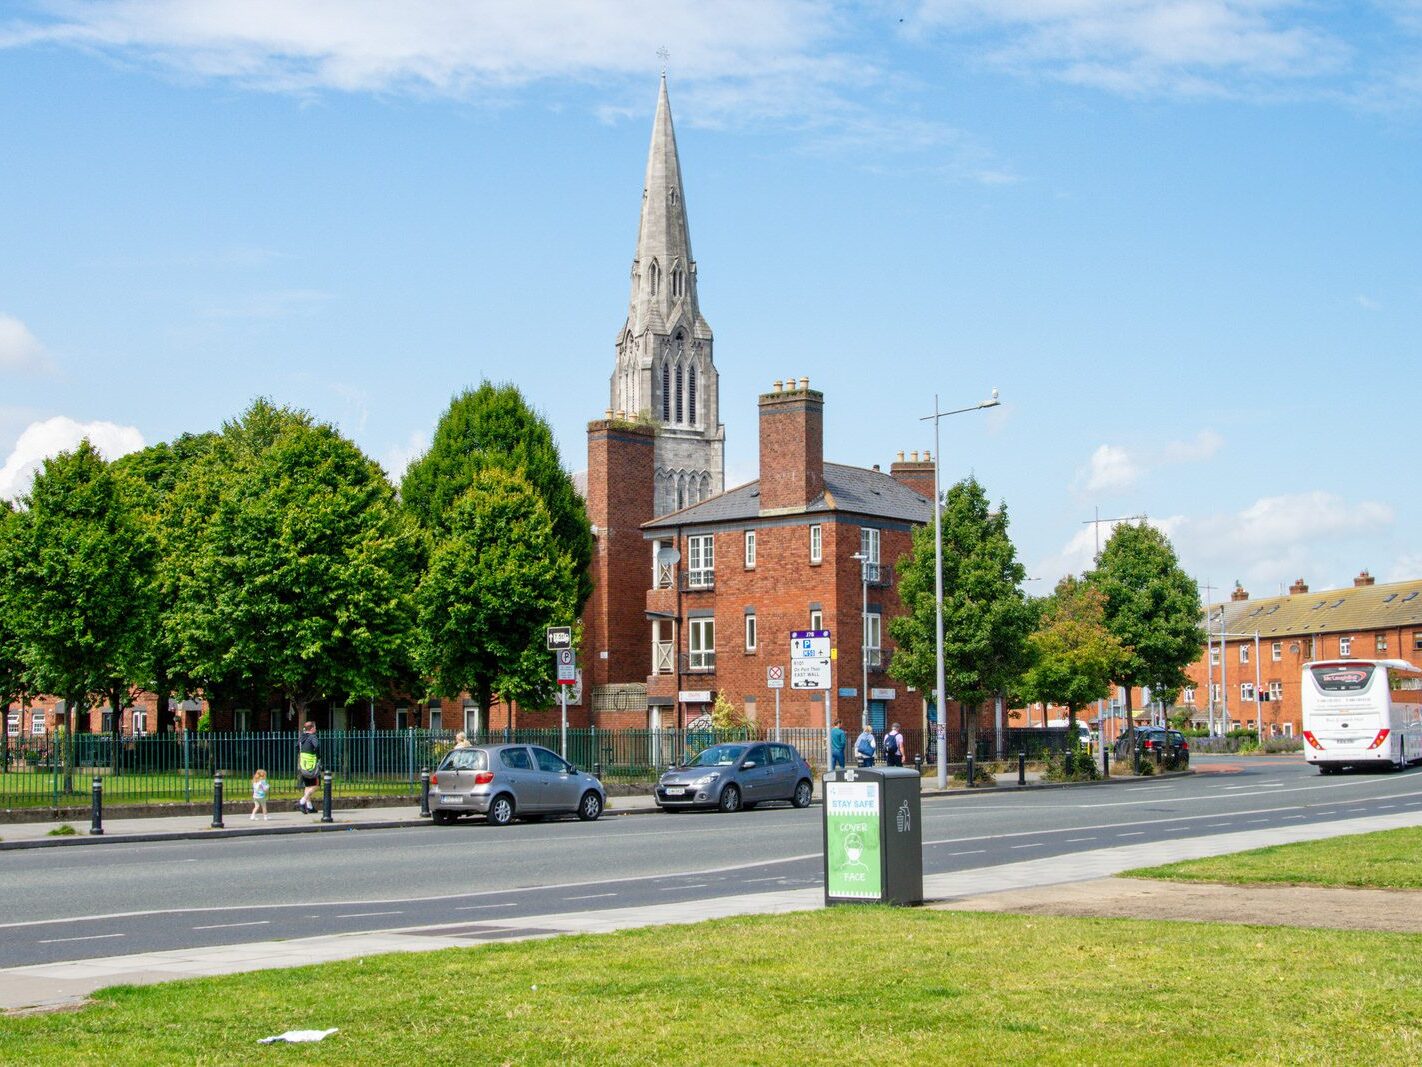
<point>1181,237</point>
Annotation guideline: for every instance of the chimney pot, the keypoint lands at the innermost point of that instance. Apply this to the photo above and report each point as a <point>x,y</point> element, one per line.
<point>1240,593</point>
<point>1299,586</point>
<point>928,458</point>
<point>901,455</point>
<point>607,414</point>
<point>1364,578</point>
<point>777,384</point>
<point>804,383</point>
<point>913,457</point>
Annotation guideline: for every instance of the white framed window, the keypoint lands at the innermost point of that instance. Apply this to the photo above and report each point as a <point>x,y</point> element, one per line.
<point>1243,651</point>
<point>1215,692</point>
<point>1382,642</point>
<point>1214,652</point>
<point>1188,696</point>
<point>242,720</point>
<point>869,544</point>
<point>1276,651</point>
<point>1288,729</point>
<point>750,632</point>
<point>402,718</point>
<point>700,561</point>
<point>12,723</point>
<point>873,629</point>
<point>750,550</point>
<point>1345,646</point>
<point>1246,690</point>
<point>1276,691</point>
<point>37,727</point>
<point>140,721</point>
<point>817,545</point>
<point>701,638</point>
<point>106,721</point>
<point>817,620</point>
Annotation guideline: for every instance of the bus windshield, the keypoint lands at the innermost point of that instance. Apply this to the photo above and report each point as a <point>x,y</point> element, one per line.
<point>1343,679</point>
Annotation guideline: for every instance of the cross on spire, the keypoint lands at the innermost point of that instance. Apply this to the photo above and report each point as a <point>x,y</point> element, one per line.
<point>663,55</point>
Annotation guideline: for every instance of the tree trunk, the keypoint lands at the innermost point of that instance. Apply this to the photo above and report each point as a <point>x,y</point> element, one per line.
<point>115,725</point>
<point>1130,720</point>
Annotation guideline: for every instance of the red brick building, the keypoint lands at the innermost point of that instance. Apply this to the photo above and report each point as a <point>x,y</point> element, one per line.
<point>703,600</point>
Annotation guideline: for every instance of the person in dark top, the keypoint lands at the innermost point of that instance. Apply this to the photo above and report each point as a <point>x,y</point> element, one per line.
<point>308,767</point>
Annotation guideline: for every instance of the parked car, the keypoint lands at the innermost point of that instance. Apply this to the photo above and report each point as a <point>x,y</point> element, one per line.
<point>736,775</point>
<point>504,782</point>
<point>1171,744</point>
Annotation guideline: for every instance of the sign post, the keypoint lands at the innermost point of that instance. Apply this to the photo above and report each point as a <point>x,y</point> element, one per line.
<point>560,643</point>
<point>810,669</point>
<point>775,679</point>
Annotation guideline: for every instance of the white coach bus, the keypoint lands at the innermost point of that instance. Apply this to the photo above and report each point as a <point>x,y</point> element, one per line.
<point>1359,713</point>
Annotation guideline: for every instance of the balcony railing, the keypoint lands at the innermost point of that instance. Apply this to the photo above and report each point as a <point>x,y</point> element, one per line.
<point>666,575</point>
<point>695,580</point>
<point>877,659</point>
<point>879,574</point>
<point>663,657</point>
<point>698,662</point>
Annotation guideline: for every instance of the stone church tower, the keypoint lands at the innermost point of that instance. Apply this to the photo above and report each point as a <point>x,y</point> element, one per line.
<point>665,372</point>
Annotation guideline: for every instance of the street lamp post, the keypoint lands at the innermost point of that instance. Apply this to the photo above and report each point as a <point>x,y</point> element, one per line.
<point>863,559</point>
<point>942,702</point>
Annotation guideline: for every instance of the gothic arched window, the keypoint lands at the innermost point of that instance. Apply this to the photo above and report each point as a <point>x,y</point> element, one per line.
<point>666,392</point>
<point>654,278</point>
<point>678,393</point>
<point>705,486</point>
<point>691,395</point>
<point>678,282</point>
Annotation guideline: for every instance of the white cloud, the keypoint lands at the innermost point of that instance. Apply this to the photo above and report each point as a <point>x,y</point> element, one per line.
<point>1144,47</point>
<point>282,304</point>
<point>398,458</point>
<point>19,349</point>
<point>1406,567</point>
<point>1111,469</point>
<point>1274,539</point>
<point>1367,303</point>
<point>1114,469</point>
<point>41,440</point>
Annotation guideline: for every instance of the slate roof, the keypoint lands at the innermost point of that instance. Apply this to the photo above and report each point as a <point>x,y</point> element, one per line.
<point>1365,607</point>
<point>852,490</point>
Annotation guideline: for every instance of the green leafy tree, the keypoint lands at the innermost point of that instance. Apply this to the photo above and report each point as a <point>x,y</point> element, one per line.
<point>293,565</point>
<point>149,477</point>
<point>494,426</point>
<point>80,583</point>
<point>1074,656</point>
<point>1152,607</point>
<point>12,667</point>
<point>986,618</point>
<point>495,581</point>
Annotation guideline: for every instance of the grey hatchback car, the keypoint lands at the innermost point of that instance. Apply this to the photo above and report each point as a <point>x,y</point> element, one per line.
<point>504,782</point>
<point>738,774</point>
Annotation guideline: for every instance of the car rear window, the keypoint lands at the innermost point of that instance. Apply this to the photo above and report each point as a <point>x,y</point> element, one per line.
<point>466,759</point>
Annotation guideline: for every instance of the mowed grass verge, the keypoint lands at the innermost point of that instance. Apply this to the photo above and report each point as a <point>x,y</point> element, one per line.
<point>841,985</point>
<point>1388,859</point>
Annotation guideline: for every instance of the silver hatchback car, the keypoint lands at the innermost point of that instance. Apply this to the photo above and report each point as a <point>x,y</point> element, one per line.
<point>736,775</point>
<point>504,782</point>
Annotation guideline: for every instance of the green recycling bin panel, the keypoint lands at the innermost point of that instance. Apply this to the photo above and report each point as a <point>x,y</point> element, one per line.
<point>873,838</point>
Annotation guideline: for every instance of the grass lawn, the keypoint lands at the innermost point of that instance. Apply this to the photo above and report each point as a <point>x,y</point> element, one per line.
<point>1388,859</point>
<point>24,789</point>
<point>846,985</point>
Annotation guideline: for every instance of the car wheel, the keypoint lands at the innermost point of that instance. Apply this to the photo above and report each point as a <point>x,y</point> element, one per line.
<point>442,818</point>
<point>590,807</point>
<point>804,793</point>
<point>730,799</point>
<point>501,810</point>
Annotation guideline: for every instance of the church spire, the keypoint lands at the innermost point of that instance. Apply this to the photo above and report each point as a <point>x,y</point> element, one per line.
<point>665,371</point>
<point>663,272</point>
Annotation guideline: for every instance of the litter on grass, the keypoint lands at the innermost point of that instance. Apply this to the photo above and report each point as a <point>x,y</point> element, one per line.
<point>296,1037</point>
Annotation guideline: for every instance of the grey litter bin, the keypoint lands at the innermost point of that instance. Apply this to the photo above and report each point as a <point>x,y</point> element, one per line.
<point>873,836</point>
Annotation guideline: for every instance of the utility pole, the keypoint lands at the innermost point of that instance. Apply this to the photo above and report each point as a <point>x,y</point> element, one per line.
<point>1209,662</point>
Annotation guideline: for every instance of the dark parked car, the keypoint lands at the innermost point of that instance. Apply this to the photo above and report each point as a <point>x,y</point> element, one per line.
<point>736,775</point>
<point>1173,749</point>
<point>502,782</point>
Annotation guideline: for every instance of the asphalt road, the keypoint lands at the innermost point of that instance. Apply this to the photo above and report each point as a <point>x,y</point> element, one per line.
<point>77,903</point>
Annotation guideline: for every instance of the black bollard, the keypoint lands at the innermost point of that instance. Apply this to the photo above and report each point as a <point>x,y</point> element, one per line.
<point>1021,768</point>
<point>918,763</point>
<point>597,771</point>
<point>972,771</point>
<point>1136,758</point>
<point>1105,760</point>
<point>96,816</point>
<point>424,792</point>
<point>326,777</point>
<point>217,801</point>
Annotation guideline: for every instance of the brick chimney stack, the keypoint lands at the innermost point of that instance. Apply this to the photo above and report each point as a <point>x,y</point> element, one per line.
<point>1299,586</point>
<point>1240,593</point>
<point>915,473</point>
<point>1364,578</point>
<point>792,447</point>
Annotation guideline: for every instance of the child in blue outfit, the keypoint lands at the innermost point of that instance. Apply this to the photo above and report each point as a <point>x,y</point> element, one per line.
<point>259,793</point>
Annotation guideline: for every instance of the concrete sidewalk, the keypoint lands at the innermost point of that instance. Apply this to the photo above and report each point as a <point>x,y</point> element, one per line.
<point>59,985</point>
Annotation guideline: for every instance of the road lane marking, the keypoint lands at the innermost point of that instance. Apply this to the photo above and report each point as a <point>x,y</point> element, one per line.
<point>481,907</point>
<point>1133,833</point>
<point>228,926</point>
<point>368,914</point>
<point>675,888</point>
<point>969,852</point>
<point>91,937</point>
<point>1270,792</point>
<point>1030,844</point>
<point>591,896</point>
<point>1074,840</point>
<point>1252,821</point>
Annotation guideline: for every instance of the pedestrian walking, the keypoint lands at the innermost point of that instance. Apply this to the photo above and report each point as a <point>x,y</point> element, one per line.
<point>259,794</point>
<point>894,747</point>
<point>461,740</point>
<point>839,741</point>
<point>308,767</point>
<point>865,747</point>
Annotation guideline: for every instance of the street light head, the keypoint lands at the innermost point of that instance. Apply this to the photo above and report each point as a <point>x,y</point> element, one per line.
<point>992,401</point>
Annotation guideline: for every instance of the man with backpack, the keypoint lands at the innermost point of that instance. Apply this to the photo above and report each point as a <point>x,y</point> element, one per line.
<point>894,747</point>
